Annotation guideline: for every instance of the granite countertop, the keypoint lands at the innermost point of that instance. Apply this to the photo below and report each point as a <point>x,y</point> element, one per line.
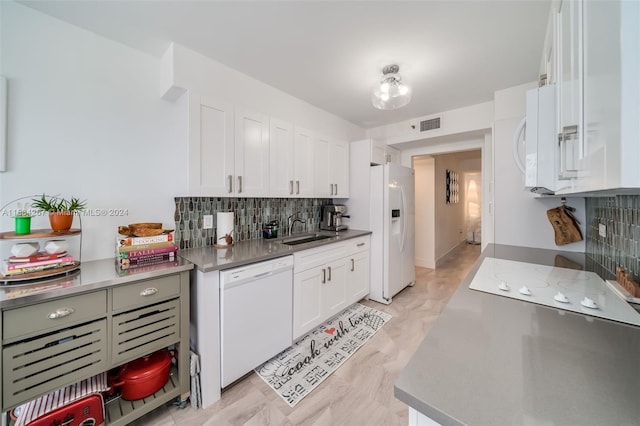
<point>241,253</point>
<point>92,275</point>
<point>491,360</point>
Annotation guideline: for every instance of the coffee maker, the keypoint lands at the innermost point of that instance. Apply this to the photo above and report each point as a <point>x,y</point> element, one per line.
<point>332,215</point>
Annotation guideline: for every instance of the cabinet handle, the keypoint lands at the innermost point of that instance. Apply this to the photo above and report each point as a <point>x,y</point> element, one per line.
<point>61,312</point>
<point>230,184</point>
<point>353,265</point>
<point>298,187</point>
<point>360,244</point>
<point>329,268</point>
<point>331,188</point>
<point>336,189</point>
<point>324,275</point>
<point>290,187</point>
<point>239,184</point>
<point>148,291</point>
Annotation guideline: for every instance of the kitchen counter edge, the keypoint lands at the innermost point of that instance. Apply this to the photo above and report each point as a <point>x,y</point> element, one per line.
<point>207,259</point>
<point>92,275</point>
<point>414,385</point>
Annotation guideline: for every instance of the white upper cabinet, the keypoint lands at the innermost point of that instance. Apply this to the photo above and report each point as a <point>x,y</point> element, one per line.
<point>228,150</point>
<point>251,153</point>
<point>281,158</point>
<point>569,80</point>
<point>303,162</point>
<point>211,146</point>
<point>612,94</point>
<point>330,168</point>
<point>322,183</point>
<point>598,97</point>
<point>382,153</point>
<point>291,160</point>
<point>339,168</point>
<point>236,152</point>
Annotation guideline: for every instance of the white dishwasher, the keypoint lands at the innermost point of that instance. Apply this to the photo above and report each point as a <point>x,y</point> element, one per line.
<point>256,314</point>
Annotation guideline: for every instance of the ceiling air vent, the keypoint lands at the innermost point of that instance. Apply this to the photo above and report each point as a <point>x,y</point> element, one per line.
<point>431,124</point>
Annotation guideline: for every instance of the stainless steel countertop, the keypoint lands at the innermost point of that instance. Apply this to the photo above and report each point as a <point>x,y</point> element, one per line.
<point>92,275</point>
<point>491,360</point>
<point>241,253</point>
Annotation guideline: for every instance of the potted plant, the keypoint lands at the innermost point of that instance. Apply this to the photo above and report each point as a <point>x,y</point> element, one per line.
<point>60,210</point>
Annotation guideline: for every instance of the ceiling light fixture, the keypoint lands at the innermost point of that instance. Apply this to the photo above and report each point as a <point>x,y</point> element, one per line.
<point>390,92</point>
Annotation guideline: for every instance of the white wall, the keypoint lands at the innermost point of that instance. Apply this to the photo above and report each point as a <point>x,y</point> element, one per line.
<point>520,218</point>
<point>425,212</point>
<point>85,119</point>
<point>405,134</point>
<point>184,69</point>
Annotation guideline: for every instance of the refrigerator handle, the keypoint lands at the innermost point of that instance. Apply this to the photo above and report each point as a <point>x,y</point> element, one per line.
<point>402,217</point>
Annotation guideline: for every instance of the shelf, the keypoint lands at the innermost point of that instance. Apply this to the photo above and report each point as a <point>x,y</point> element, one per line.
<point>40,274</point>
<point>39,233</point>
<point>121,412</point>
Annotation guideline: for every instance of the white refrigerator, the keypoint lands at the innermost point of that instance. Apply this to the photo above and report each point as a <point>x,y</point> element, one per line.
<point>393,230</point>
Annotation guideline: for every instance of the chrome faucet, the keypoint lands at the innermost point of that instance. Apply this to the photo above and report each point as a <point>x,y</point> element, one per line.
<point>291,220</point>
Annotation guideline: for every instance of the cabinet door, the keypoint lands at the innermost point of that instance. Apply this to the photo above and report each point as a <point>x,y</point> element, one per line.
<point>358,277</point>
<point>303,163</point>
<point>307,300</point>
<point>322,183</point>
<point>282,160</point>
<point>570,88</point>
<point>251,153</point>
<point>339,168</point>
<point>602,94</point>
<point>211,147</point>
<point>334,290</point>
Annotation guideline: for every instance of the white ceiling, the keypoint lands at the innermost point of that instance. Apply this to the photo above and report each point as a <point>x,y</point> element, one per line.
<point>330,53</point>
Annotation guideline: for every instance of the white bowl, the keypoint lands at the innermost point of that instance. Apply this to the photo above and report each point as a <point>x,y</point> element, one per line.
<point>25,249</point>
<point>56,246</point>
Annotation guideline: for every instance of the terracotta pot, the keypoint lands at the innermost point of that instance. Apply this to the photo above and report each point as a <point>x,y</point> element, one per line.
<point>144,376</point>
<point>60,221</point>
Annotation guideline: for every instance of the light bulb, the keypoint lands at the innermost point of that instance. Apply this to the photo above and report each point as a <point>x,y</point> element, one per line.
<point>403,90</point>
<point>384,87</point>
<point>384,96</point>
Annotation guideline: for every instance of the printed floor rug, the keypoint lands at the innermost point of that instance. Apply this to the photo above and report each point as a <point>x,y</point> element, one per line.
<point>297,370</point>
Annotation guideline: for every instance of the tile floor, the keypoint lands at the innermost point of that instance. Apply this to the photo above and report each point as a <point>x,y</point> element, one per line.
<point>361,391</point>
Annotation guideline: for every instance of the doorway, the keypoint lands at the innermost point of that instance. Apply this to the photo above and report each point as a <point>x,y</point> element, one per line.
<point>443,222</point>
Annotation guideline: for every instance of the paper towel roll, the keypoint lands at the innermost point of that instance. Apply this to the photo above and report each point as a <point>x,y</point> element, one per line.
<point>224,226</point>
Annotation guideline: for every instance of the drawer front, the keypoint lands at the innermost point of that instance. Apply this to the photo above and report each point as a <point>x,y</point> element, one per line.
<point>54,314</point>
<point>145,330</point>
<point>146,292</point>
<point>37,366</point>
<point>359,244</point>
<point>311,258</point>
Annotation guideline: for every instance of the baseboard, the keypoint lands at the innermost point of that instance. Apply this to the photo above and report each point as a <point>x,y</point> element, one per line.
<point>442,258</point>
<point>424,263</point>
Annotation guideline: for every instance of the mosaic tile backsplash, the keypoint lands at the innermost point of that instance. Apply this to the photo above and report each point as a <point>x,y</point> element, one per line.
<point>249,216</point>
<point>621,247</point>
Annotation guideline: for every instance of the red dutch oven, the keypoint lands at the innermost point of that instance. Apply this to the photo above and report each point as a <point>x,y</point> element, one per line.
<point>144,376</point>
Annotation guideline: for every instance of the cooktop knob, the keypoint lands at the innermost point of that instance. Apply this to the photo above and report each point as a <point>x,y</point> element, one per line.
<point>588,303</point>
<point>560,297</point>
<point>503,286</point>
<point>525,290</point>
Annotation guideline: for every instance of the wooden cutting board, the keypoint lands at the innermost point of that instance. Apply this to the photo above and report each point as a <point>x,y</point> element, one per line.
<point>565,226</point>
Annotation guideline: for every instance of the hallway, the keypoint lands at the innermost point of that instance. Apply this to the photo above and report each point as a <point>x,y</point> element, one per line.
<point>361,391</point>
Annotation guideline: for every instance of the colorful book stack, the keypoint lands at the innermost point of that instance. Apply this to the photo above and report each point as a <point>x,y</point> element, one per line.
<point>132,252</point>
<point>41,261</point>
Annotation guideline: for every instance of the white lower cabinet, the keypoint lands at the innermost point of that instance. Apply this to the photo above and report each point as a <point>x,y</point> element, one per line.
<point>328,279</point>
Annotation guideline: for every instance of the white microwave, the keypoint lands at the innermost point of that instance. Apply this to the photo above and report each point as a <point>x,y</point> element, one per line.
<point>540,166</point>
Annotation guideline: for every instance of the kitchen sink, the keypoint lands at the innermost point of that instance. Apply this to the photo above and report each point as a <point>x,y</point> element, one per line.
<point>304,239</point>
